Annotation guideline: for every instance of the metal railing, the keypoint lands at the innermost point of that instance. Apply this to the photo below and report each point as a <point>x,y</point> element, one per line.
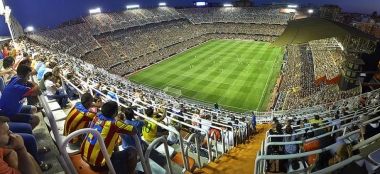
<point>167,155</point>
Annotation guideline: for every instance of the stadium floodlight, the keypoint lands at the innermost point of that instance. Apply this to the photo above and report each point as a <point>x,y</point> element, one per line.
<point>132,6</point>
<point>162,4</point>
<point>227,5</point>
<point>310,11</point>
<point>200,4</point>
<point>95,10</point>
<point>29,29</point>
<point>292,6</point>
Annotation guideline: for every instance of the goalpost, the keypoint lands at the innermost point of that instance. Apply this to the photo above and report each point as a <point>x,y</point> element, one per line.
<point>173,91</point>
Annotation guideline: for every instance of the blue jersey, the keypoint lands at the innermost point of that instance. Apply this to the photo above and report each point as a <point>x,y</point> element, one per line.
<point>253,121</point>
<point>13,97</point>
<point>128,140</point>
<point>41,70</point>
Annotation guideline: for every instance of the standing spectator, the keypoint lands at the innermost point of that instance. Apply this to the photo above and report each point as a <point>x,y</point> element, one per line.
<point>128,141</point>
<point>253,125</point>
<point>316,119</point>
<point>123,161</point>
<point>11,102</point>
<point>150,130</point>
<point>216,107</point>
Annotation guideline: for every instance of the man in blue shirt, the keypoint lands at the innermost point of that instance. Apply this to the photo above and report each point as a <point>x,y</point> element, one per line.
<point>138,124</point>
<point>14,94</point>
<point>253,122</point>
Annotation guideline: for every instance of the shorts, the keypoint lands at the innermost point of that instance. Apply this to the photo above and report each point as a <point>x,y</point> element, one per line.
<point>119,161</point>
<point>26,109</point>
<point>21,118</point>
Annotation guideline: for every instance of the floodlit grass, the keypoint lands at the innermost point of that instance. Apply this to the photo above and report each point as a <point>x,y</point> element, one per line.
<point>239,75</point>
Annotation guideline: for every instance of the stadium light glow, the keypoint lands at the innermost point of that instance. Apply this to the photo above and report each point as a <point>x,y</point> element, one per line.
<point>29,29</point>
<point>200,3</point>
<point>227,5</point>
<point>310,11</point>
<point>292,6</point>
<point>95,10</point>
<point>132,6</point>
<point>162,4</point>
<point>288,10</point>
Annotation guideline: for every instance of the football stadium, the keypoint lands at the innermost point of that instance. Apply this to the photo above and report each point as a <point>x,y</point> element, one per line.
<point>208,88</point>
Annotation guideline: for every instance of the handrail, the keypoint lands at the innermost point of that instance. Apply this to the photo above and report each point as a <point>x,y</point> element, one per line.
<point>299,155</point>
<point>80,132</point>
<point>206,123</point>
<point>141,154</point>
<point>199,129</point>
<point>149,150</point>
<point>68,81</point>
<point>147,118</point>
<point>193,135</point>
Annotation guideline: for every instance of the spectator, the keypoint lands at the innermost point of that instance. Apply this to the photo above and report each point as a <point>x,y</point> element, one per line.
<point>216,107</point>
<point>253,126</point>
<point>150,130</point>
<point>53,92</point>
<point>316,119</point>
<point>310,146</point>
<point>79,117</point>
<point>7,70</point>
<point>123,161</point>
<point>128,141</point>
<point>14,157</point>
<point>11,102</point>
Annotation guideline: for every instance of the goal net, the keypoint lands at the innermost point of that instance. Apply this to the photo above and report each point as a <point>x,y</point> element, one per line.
<point>173,91</point>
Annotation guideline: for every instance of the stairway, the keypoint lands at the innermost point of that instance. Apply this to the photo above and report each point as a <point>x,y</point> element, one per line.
<point>240,160</point>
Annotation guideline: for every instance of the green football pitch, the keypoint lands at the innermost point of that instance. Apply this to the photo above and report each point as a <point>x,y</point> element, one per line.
<point>238,75</point>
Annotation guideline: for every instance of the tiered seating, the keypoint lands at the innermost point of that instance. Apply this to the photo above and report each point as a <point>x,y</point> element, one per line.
<point>327,62</point>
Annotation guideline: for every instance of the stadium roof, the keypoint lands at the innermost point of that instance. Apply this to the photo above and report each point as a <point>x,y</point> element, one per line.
<point>308,29</point>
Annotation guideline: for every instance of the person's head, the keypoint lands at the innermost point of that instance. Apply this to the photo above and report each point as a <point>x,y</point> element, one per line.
<point>208,117</point>
<point>149,111</point>
<point>26,61</point>
<point>4,131</point>
<point>288,130</point>
<point>69,76</point>
<point>305,120</point>
<point>86,100</point>
<point>24,72</point>
<point>278,128</point>
<point>129,113</point>
<point>316,117</point>
<point>310,134</point>
<point>48,76</point>
<point>110,109</point>
<point>336,116</point>
<point>56,70</point>
<point>8,62</point>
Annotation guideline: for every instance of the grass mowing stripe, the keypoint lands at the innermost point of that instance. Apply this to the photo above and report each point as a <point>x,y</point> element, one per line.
<point>200,78</point>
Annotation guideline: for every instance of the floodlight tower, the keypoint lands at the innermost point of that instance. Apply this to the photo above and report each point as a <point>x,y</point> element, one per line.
<point>6,12</point>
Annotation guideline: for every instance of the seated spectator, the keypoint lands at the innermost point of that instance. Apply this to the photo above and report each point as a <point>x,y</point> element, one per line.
<point>150,130</point>
<point>123,161</point>
<point>7,70</point>
<point>39,62</point>
<point>128,141</point>
<point>216,133</point>
<point>228,136</point>
<point>172,137</point>
<point>41,71</point>
<point>79,117</point>
<point>54,92</point>
<point>336,122</point>
<point>71,91</point>
<point>11,102</point>
<point>290,148</point>
<point>14,157</point>
<point>277,131</point>
<point>371,129</point>
<point>316,119</point>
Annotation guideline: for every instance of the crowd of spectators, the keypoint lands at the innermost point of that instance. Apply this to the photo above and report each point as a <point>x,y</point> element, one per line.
<point>327,62</point>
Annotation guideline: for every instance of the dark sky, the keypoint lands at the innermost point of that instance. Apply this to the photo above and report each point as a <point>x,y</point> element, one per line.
<point>49,13</point>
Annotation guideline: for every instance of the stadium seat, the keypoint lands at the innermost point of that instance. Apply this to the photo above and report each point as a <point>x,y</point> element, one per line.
<point>82,167</point>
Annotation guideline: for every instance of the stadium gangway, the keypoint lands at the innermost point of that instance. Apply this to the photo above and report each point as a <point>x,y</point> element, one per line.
<point>304,154</point>
<point>210,125</point>
<point>264,148</point>
<point>159,124</point>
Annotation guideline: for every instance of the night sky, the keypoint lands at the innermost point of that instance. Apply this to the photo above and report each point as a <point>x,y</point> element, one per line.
<point>50,13</point>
